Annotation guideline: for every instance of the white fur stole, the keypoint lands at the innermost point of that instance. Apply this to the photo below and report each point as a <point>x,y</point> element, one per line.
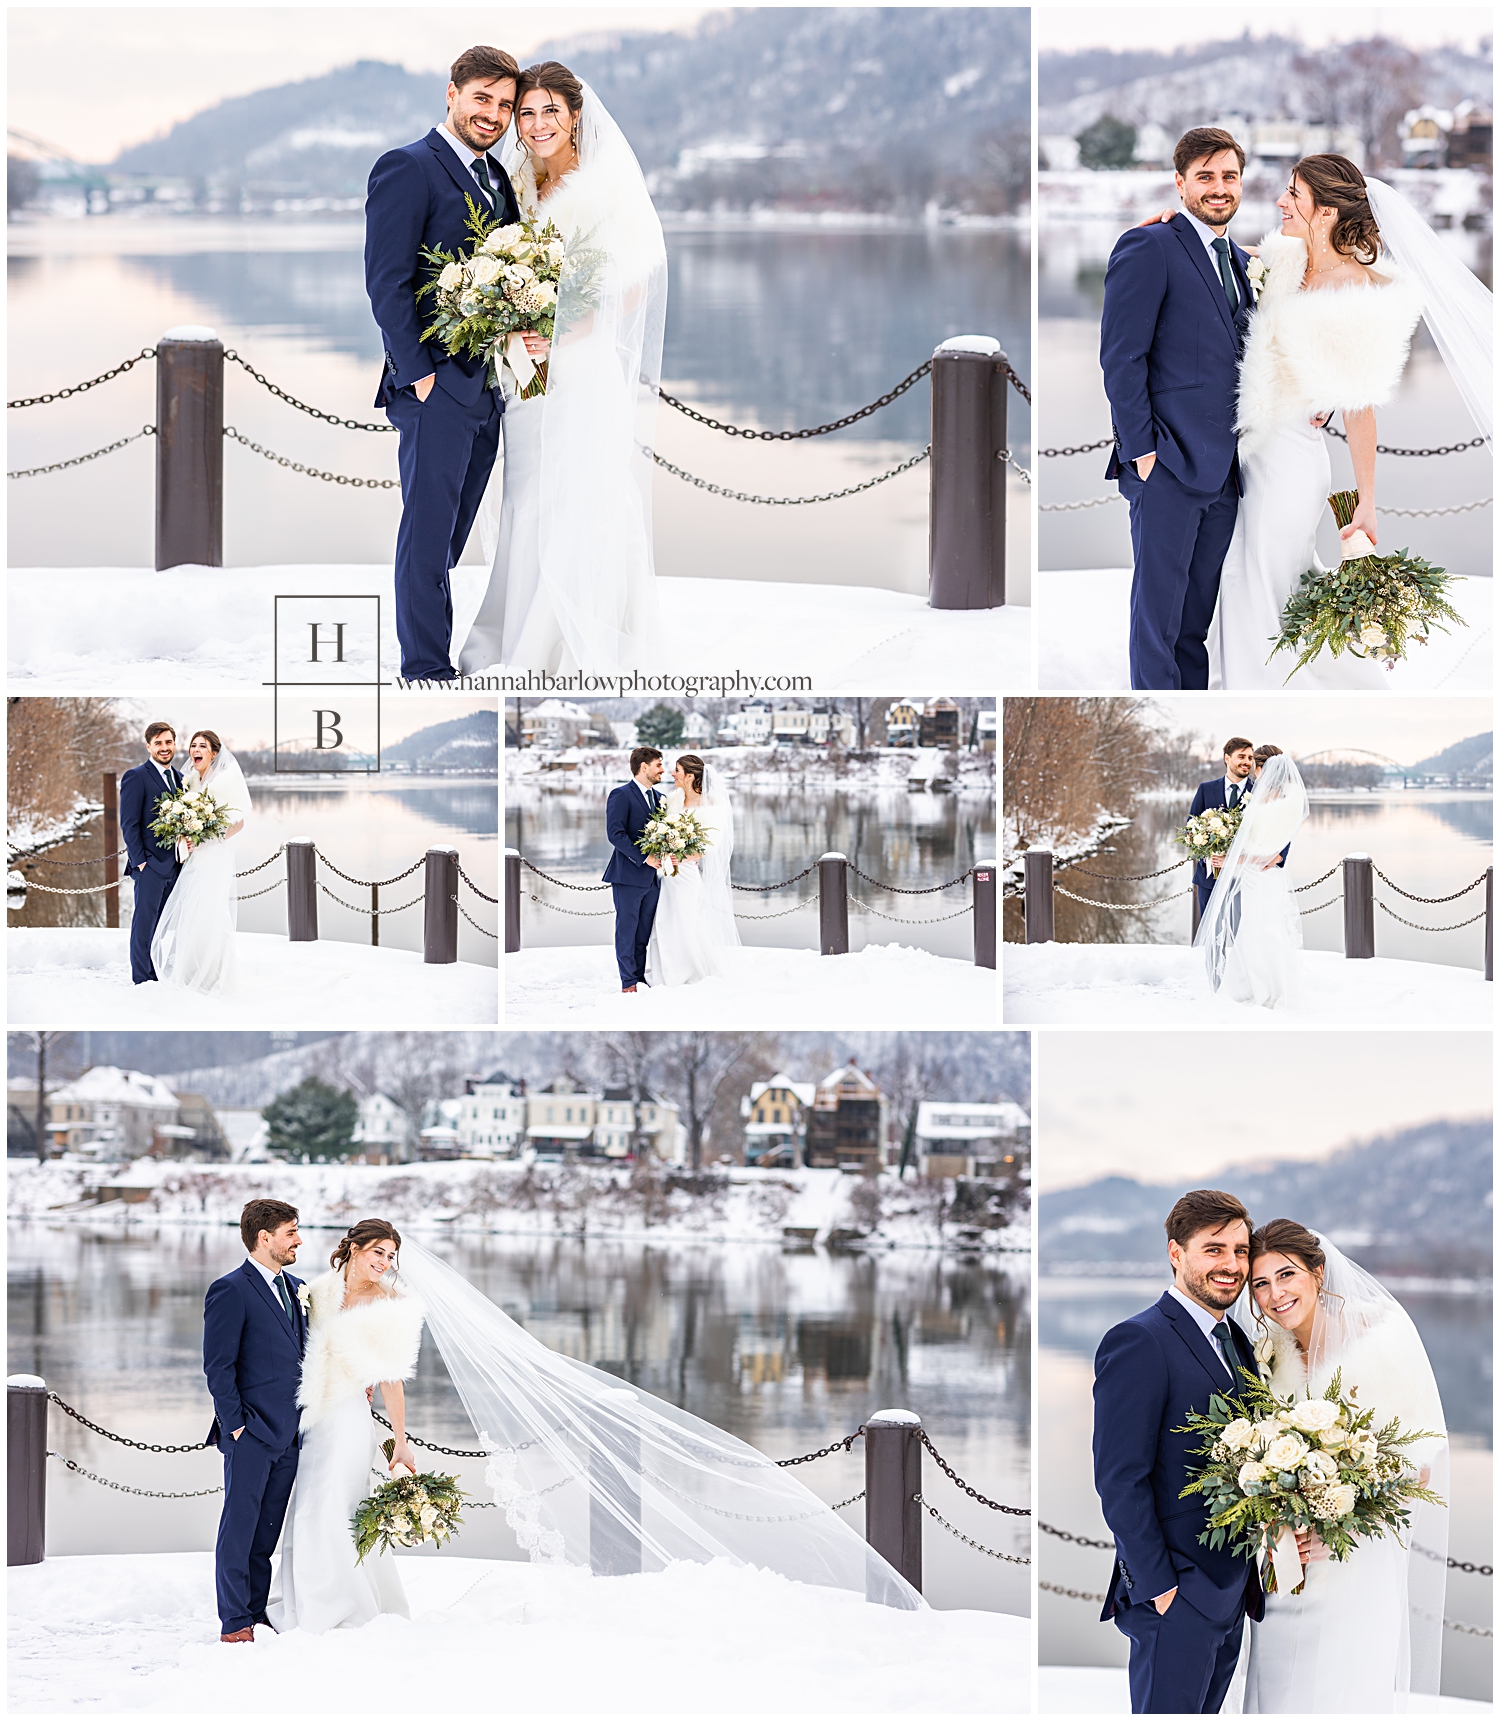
<point>350,1349</point>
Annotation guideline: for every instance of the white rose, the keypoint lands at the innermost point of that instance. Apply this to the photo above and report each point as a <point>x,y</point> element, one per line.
<point>1252,1475</point>
<point>483,270</point>
<point>1314,1415</point>
<point>1336,1501</point>
<point>452,278</point>
<point>1267,1430</point>
<point>520,273</point>
<point>1319,1467</point>
<point>1331,1439</point>
<point>1286,1452</point>
<point>1363,1447</point>
<point>194,823</point>
<point>1372,635</point>
<point>504,237</point>
<point>554,250</point>
<point>545,292</point>
<point>1239,1436</point>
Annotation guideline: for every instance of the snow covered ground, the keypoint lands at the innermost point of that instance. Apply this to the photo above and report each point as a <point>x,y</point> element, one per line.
<point>1106,1691</point>
<point>129,1633</point>
<point>881,986</point>
<point>1083,624</point>
<point>1141,984</point>
<point>844,637</point>
<point>79,977</point>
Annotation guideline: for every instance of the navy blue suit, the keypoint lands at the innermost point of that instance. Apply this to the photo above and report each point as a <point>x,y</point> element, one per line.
<point>636,885</point>
<point>252,1357</point>
<point>1211,794</point>
<point>153,863</point>
<point>448,441</point>
<point>1170,346</point>
<point>1149,1372</point>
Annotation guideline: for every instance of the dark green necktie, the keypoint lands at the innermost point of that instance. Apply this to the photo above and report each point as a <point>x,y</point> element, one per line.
<point>286,1300</point>
<point>1226,273</point>
<point>481,167</point>
<point>1226,1344</point>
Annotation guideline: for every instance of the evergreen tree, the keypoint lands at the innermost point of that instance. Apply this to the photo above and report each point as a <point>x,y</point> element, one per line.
<point>313,1118</point>
<point>661,727</point>
<point>1107,143</point>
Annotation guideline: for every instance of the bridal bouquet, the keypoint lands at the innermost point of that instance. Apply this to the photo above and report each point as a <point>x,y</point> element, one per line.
<point>194,815</point>
<point>407,1511</point>
<point>1210,833</point>
<point>1274,1466</point>
<point>676,837</point>
<point>1370,606</point>
<point>506,286</point>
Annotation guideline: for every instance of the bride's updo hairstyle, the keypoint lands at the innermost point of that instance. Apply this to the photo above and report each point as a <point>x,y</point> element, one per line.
<point>553,76</point>
<point>1287,1237</point>
<point>209,736</point>
<point>1334,182</point>
<point>694,767</point>
<point>361,1236</point>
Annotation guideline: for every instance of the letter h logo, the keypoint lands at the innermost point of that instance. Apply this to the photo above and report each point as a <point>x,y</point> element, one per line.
<point>326,684</point>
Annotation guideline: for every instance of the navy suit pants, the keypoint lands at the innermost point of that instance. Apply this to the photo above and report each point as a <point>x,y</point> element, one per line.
<point>635,914</point>
<point>446,456</point>
<point>1180,1662</point>
<point>1179,537</point>
<point>257,1486</point>
<point>152,888</point>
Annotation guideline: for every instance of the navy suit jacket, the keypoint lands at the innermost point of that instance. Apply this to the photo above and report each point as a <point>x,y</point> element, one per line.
<point>140,789</point>
<point>1149,1372</point>
<point>1170,351</point>
<point>416,199</point>
<point>625,817</point>
<point>1211,794</point>
<point>252,1356</point>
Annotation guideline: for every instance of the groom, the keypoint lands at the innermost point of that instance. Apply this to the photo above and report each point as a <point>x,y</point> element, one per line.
<point>448,419</point>
<point>1176,310</point>
<point>1242,765</point>
<point>636,877</point>
<point>153,864</point>
<point>254,1334</point>
<point>1181,1603</point>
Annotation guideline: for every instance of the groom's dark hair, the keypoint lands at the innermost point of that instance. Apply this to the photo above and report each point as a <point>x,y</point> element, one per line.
<point>1204,1210</point>
<point>263,1215</point>
<point>642,755</point>
<point>1200,143</point>
<point>155,729</point>
<point>1234,743</point>
<point>483,65</point>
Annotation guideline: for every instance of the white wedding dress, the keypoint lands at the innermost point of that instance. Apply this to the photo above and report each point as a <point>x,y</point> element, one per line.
<point>193,945</point>
<point>1251,930</point>
<point>1366,1631</point>
<point>318,1585</point>
<point>694,936</point>
<point>573,582</point>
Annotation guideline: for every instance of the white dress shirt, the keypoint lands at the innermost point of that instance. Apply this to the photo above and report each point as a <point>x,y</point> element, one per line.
<point>468,157</point>
<point>1243,787</point>
<point>270,1278</point>
<point>1207,1321</point>
<point>1208,236</point>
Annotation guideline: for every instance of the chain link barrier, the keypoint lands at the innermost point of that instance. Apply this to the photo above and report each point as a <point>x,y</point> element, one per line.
<point>783,501</point>
<point>475,888</point>
<point>1089,901</point>
<point>561,883</point>
<point>232,357</point>
<point>781,913</point>
<point>1072,1595</point>
<point>1323,878</point>
<point>121,1439</point>
<point>577,913</point>
<point>968,1541</point>
<point>366,909</point>
<point>906,919</point>
<point>1414,453</point>
<point>310,471</point>
<point>1399,513</point>
<point>125,1488</point>
<point>1068,1536</point>
<point>797,435</point>
<point>260,866</point>
<point>903,890</point>
<point>1431,900</point>
<point>83,890</point>
<point>1456,927</point>
<point>250,895</point>
<point>1073,507</point>
<point>958,1482</point>
<point>82,459</point>
<point>83,387</point>
<point>368,883</point>
<point>19,859</point>
<point>470,918</point>
<point>1006,458</point>
<point>796,878</point>
<point>1132,877</point>
<point>1318,909</point>
<point>1082,448</point>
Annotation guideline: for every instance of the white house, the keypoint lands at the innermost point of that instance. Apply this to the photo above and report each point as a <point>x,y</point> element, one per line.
<point>110,1113</point>
<point>247,1132</point>
<point>491,1120</point>
<point>554,724</point>
<point>697,731</point>
<point>971,1138</point>
<point>383,1131</point>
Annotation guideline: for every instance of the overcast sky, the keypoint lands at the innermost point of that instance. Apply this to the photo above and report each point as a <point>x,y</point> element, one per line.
<point>1406,729</point>
<point>1066,27</point>
<point>151,66</point>
<point>1165,1106</point>
<point>242,723</point>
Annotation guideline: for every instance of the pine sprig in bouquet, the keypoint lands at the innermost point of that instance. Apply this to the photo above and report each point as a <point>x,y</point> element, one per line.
<point>1370,606</point>
<point>407,1511</point>
<point>1210,833</point>
<point>192,815</point>
<point>675,837</point>
<point>1273,1465</point>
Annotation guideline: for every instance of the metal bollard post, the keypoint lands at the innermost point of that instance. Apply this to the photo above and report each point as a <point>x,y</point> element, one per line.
<point>833,905</point>
<point>1038,899</point>
<point>983,878</point>
<point>512,900</point>
<point>189,448</point>
<point>302,890</point>
<point>111,848</point>
<point>1489,923</point>
<point>966,490</point>
<point>1197,907</point>
<point>440,907</point>
<point>615,1495</point>
<point>26,1469</point>
<point>893,1479</point>
<point>1359,906</point>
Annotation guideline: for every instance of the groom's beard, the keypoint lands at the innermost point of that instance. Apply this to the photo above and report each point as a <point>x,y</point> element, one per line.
<point>1214,1296</point>
<point>1211,217</point>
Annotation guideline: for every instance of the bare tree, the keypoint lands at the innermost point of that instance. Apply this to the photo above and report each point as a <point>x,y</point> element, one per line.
<point>1066,761</point>
<point>917,1067</point>
<point>44,1044</point>
<point>1368,85</point>
<point>694,1066</point>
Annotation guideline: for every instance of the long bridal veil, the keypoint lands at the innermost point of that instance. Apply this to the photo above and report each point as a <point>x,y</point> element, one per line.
<point>594,1472</point>
<point>718,895</point>
<point>193,944</point>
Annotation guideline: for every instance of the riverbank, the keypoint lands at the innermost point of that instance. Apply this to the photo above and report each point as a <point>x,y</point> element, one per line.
<point>105,1634</point>
<point>758,766</point>
<point>79,977</point>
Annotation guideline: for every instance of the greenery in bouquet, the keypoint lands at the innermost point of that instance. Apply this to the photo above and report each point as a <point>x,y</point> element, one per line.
<point>1210,833</point>
<point>191,813</point>
<point>674,837</point>
<point>1309,1463</point>
<point>407,1511</point>
<point>1373,607</point>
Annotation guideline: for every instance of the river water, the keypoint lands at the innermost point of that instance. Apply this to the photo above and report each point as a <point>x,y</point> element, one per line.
<point>1430,841</point>
<point>1074,1314</point>
<point>768,329</point>
<point>786,1350</point>
<point>373,828</point>
<point>910,840</point>
<point>1428,412</point>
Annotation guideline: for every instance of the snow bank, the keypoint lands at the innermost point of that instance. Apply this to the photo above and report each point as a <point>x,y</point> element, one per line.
<point>127,1633</point>
<point>748,767</point>
<point>1106,1691</point>
<point>844,637</point>
<point>1083,626</point>
<point>881,986</point>
<point>1139,984</point>
<point>67,977</point>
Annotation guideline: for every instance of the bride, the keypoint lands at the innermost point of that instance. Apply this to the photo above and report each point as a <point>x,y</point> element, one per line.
<point>1251,932</point>
<point>589,1470</point>
<point>1350,273</point>
<point>1366,1631</point>
<point>694,930</point>
<point>573,585</point>
<point>193,945</point>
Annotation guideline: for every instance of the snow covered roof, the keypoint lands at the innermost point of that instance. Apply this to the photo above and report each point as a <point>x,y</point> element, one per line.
<point>968,1120</point>
<point>805,1092</point>
<point>559,708</point>
<point>848,1073</point>
<point>562,1131</point>
<point>105,1084</point>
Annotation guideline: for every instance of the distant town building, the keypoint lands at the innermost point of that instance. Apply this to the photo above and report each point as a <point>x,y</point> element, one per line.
<point>985,728</point>
<point>491,1121</point>
<point>970,1138</point>
<point>901,720</point>
<point>555,724</point>
<point>775,1114</point>
<point>247,1133</point>
<point>111,1113</point>
<point>846,1128</point>
<point>564,1121</point>
<point>811,726</point>
<point>697,731</point>
<point>383,1131</point>
<point>939,725</point>
<point>750,726</point>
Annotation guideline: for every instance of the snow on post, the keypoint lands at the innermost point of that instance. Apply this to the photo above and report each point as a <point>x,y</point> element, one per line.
<point>833,905</point>
<point>189,448</point>
<point>893,1480</point>
<point>25,1469</point>
<point>966,535</point>
<point>1359,906</point>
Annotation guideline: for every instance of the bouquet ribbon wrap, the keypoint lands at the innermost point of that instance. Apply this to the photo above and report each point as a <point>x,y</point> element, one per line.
<point>184,849</point>
<point>1357,544</point>
<point>1286,1562</point>
<point>519,360</point>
